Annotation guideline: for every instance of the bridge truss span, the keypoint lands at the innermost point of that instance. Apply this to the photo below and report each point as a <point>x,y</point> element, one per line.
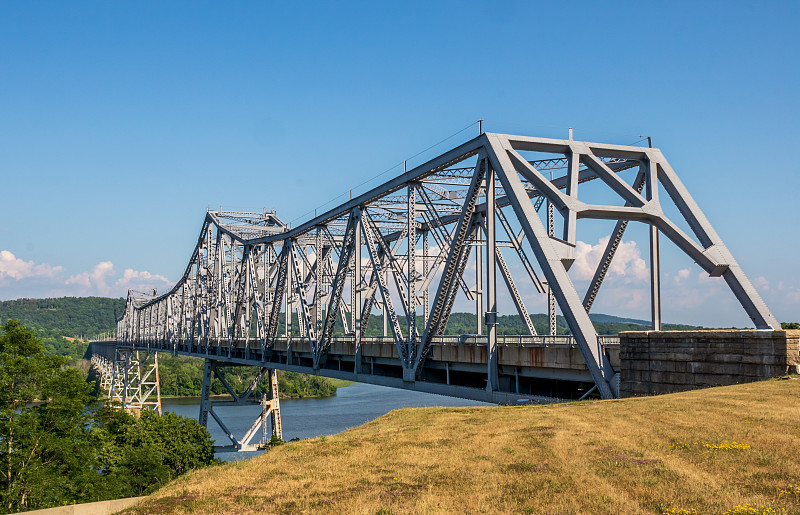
<point>260,293</point>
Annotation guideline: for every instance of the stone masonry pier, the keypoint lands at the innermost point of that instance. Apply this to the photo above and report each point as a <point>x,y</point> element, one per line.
<point>656,362</point>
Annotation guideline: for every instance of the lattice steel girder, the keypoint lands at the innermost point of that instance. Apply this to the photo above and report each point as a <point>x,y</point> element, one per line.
<point>235,275</point>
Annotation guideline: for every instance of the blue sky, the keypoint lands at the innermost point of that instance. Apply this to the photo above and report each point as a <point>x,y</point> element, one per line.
<point>121,122</point>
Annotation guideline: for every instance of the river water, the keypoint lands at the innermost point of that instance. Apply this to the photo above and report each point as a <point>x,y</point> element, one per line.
<point>308,418</point>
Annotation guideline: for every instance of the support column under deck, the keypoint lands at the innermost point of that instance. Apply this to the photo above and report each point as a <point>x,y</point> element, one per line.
<point>270,408</point>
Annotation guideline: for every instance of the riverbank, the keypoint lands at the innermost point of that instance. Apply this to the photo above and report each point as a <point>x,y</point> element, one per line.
<point>337,383</point>
<point>706,450</point>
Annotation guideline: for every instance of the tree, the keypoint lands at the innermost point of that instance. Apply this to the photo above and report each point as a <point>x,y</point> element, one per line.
<point>46,444</point>
<point>58,447</point>
<point>141,454</point>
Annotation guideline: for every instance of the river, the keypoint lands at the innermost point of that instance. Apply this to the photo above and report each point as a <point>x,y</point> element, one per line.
<point>308,418</point>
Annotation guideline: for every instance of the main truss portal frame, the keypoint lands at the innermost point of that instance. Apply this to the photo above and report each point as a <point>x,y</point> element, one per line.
<point>403,248</point>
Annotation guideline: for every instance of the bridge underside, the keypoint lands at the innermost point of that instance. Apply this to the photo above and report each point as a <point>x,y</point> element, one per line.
<point>530,368</point>
<point>410,248</point>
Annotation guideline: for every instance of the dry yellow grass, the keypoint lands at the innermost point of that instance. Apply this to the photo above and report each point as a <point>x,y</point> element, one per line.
<point>708,450</point>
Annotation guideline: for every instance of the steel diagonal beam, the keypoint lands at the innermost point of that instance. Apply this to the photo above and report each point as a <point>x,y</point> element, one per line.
<point>343,310</point>
<point>608,253</point>
<point>437,320</point>
<point>443,240</point>
<point>258,289</point>
<point>614,181</point>
<point>515,296</point>
<point>710,259</point>
<point>342,271</point>
<point>545,187</point>
<point>442,244</point>
<point>242,297</point>
<point>394,270</point>
<point>459,272</point>
<point>228,278</point>
<point>303,312</point>
<point>584,175</point>
<point>517,246</point>
<point>378,270</point>
<point>253,301</point>
<point>216,279</point>
<point>552,267</point>
<point>369,299</point>
<point>369,304</point>
<point>280,288</point>
<point>253,384</point>
<point>744,291</point>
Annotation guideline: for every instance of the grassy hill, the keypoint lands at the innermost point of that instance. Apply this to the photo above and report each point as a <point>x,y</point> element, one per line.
<point>721,450</point>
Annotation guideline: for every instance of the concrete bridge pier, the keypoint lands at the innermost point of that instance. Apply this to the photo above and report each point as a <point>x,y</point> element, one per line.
<point>270,407</point>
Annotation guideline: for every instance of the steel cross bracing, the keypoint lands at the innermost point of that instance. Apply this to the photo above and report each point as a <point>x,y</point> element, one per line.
<point>130,379</point>
<point>404,247</point>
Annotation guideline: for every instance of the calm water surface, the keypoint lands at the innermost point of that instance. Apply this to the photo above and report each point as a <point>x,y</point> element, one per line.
<point>309,418</point>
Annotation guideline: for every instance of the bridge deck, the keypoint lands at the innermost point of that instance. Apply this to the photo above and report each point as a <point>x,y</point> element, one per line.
<point>531,368</point>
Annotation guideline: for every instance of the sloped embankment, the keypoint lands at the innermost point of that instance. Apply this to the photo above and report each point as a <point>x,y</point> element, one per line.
<point>707,450</point>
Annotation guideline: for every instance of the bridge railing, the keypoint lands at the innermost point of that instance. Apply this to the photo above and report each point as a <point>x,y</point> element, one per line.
<point>466,339</point>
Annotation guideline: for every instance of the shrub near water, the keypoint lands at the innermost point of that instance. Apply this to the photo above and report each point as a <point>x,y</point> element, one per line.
<point>732,449</point>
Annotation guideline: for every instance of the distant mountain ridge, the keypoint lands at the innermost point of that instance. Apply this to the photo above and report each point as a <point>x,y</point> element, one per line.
<point>611,319</point>
<point>82,317</point>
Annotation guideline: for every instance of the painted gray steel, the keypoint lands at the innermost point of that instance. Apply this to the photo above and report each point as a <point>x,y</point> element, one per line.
<point>364,256</point>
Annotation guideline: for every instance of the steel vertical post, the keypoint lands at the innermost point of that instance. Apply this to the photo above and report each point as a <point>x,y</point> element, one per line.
<point>411,309</point>
<point>385,310</point>
<point>425,270</point>
<point>655,279</point>
<point>651,192</point>
<point>205,392</point>
<point>275,406</point>
<point>356,283</point>
<point>478,276</point>
<point>158,383</point>
<point>492,382</point>
<point>551,298</point>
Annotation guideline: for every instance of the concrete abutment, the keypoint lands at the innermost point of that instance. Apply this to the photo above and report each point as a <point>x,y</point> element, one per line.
<point>657,362</point>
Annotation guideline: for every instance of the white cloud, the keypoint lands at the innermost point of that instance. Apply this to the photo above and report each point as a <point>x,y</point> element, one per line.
<point>682,275</point>
<point>790,293</point>
<point>94,281</point>
<point>627,262</point>
<point>761,283</point>
<point>141,280</point>
<point>20,278</point>
<point>12,267</point>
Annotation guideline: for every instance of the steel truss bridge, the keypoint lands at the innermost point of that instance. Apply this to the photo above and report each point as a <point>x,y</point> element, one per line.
<point>258,293</point>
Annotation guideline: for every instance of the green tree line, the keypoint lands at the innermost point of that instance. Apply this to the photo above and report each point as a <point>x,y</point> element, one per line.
<point>58,446</point>
<point>182,376</point>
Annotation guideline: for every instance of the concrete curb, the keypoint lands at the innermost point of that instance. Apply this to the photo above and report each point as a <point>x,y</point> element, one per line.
<point>90,508</point>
